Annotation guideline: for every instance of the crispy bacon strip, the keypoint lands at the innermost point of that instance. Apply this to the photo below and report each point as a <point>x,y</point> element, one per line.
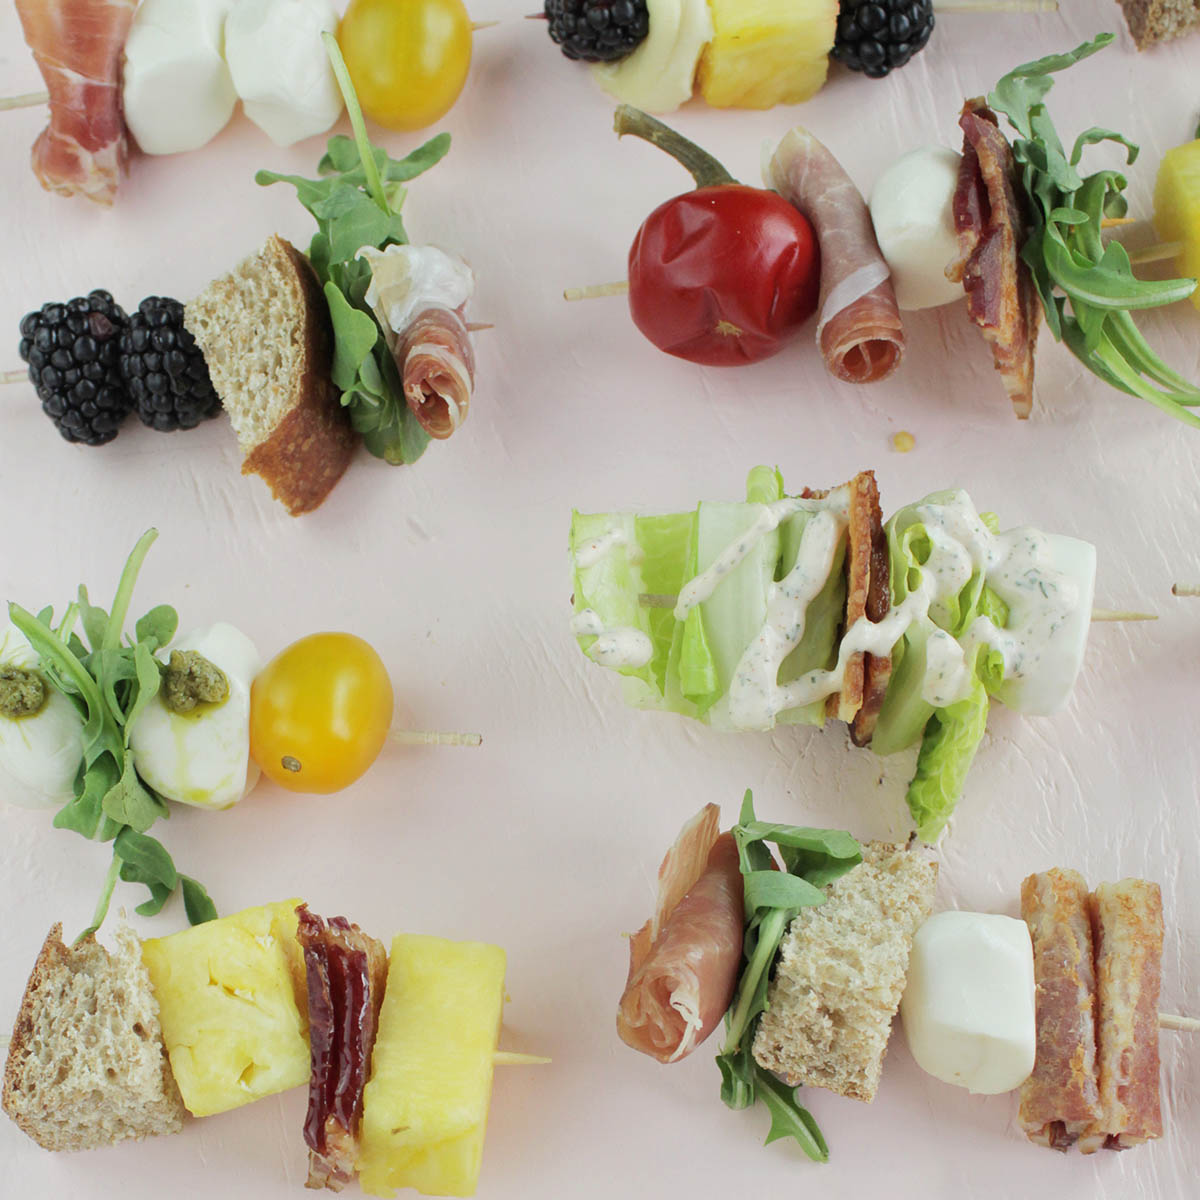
<point>683,963</point>
<point>991,227</point>
<point>1060,1099</point>
<point>437,367</point>
<point>347,972</point>
<point>78,45</point>
<point>1127,923</point>
<point>859,330</point>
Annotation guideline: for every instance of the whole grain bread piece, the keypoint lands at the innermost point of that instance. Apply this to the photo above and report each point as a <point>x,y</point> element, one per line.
<point>265,334</point>
<point>1153,21</point>
<point>87,1066</point>
<point>840,974</point>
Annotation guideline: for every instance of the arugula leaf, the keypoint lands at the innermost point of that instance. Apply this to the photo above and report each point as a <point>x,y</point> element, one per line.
<point>1086,288</point>
<point>111,683</point>
<point>812,858</point>
<point>356,202</point>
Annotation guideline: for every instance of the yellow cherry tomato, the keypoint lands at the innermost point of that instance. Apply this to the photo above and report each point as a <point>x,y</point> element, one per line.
<point>319,712</point>
<point>408,59</point>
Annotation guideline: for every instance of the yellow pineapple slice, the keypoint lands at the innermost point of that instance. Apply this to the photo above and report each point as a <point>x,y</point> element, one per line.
<point>1177,206</point>
<point>767,52</point>
<point>233,1007</point>
<point>425,1106</point>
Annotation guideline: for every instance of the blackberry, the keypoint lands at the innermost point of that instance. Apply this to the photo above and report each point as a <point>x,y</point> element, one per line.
<point>873,36</point>
<point>163,369</point>
<point>71,350</point>
<point>598,30</point>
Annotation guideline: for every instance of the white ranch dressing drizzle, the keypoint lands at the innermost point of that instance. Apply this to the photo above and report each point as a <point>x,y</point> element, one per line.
<point>615,646</point>
<point>699,589</point>
<point>597,549</point>
<point>754,691</point>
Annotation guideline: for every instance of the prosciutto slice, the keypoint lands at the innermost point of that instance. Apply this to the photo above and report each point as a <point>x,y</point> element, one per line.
<point>683,963</point>
<point>1060,1099</point>
<point>437,367</point>
<point>1128,925</point>
<point>419,294</point>
<point>346,973</point>
<point>858,330</point>
<point>991,228</point>
<point>78,46</point>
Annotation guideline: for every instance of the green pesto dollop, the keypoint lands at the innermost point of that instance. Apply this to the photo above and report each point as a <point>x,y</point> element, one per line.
<point>191,680</point>
<point>22,692</point>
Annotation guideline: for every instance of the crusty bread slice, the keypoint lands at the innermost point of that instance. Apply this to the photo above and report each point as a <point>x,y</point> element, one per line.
<point>840,974</point>
<point>87,1066</point>
<point>1153,21</point>
<point>265,335</point>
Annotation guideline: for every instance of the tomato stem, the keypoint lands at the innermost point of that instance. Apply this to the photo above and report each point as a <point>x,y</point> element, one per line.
<point>704,169</point>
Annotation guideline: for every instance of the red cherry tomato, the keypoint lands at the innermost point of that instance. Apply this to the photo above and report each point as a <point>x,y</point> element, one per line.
<point>723,275</point>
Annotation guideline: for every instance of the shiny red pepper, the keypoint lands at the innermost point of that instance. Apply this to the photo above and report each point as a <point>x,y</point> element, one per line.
<point>722,275</point>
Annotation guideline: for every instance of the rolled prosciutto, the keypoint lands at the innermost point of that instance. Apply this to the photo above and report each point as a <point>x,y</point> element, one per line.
<point>1060,1100</point>
<point>683,963</point>
<point>1127,924</point>
<point>858,330</point>
<point>78,46</point>
<point>991,228</point>
<point>346,972</point>
<point>418,294</point>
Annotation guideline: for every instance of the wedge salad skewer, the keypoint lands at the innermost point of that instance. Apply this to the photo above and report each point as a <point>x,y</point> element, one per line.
<point>794,609</point>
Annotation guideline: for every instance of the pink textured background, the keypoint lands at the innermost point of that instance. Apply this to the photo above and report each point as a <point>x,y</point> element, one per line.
<point>546,840</point>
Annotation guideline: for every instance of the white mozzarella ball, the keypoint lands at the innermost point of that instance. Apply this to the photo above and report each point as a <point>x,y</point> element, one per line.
<point>280,68</point>
<point>968,1004</point>
<point>203,757</point>
<point>911,209</point>
<point>40,754</point>
<point>177,92</point>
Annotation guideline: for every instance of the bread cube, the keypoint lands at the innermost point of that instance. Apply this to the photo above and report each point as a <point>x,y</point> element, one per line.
<point>233,1007</point>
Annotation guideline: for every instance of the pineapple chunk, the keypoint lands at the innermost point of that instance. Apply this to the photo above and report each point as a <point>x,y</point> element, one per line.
<point>425,1107</point>
<point>1177,206</point>
<point>233,1007</point>
<point>767,52</point>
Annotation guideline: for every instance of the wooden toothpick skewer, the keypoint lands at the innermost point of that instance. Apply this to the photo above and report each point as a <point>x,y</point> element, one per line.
<point>418,737</point>
<point>28,100</point>
<point>13,376</point>
<point>476,26</point>
<point>656,600</point>
<point>1156,253</point>
<point>597,289</point>
<point>1185,589</point>
<point>1174,1021</point>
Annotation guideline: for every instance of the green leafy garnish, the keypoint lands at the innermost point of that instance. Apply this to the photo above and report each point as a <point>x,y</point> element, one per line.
<point>356,203</point>
<point>1087,288</point>
<point>110,681</point>
<point>812,858</point>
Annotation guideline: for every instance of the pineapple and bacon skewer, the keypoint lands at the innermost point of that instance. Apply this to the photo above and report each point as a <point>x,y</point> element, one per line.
<point>397,1048</point>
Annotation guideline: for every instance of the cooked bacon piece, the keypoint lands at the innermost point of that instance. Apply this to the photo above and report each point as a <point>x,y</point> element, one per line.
<point>78,45</point>
<point>859,330</point>
<point>437,367</point>
<point>991,229</point>
<point>347,972</point>
<point>683,963</point>
<point>1128,927</point>
<point>1060,1099</point>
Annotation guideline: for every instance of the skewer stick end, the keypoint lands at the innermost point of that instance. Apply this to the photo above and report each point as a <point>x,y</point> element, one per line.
<point>619,288</point>
<point>421,737</point>
<point>1114,614</point>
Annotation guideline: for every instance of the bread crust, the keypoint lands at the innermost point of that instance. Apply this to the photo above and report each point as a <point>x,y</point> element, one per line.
<point>310,449</point>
